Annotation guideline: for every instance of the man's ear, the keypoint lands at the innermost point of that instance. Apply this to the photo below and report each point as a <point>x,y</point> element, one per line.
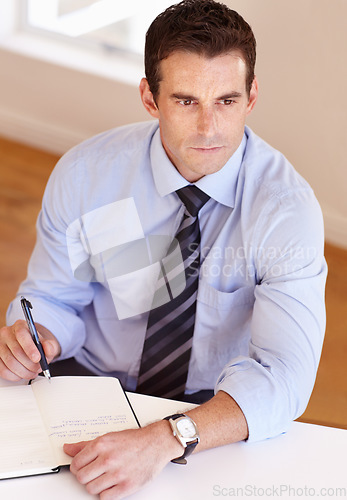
<point>253,95</point>
<point>148,99</point>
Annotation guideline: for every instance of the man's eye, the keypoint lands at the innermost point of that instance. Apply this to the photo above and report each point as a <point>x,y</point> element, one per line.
<point>228,102</point>
<point>186,102</point>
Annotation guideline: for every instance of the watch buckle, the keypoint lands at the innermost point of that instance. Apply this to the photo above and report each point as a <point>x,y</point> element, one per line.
<point>181,461</point>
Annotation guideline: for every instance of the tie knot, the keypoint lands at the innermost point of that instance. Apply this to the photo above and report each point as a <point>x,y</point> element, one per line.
<point>193,198</point>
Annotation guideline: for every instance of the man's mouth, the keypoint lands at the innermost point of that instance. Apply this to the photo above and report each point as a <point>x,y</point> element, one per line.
<point>207,149</point>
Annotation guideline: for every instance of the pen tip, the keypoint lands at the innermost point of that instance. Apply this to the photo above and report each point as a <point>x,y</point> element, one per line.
<point>47,374</point>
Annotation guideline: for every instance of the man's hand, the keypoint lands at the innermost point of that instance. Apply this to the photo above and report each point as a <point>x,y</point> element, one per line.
<point>119,463</point>
<point>19,356</point>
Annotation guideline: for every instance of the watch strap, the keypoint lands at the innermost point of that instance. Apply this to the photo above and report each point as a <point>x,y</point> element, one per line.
<point>175,416</point>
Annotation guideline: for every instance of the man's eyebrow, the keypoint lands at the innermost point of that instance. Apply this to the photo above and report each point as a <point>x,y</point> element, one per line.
<point>188,97</point>
<point>185,97</point>
<point>231,95</point>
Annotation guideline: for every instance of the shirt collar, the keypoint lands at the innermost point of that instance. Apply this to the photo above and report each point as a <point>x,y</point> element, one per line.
<point>221,185</point>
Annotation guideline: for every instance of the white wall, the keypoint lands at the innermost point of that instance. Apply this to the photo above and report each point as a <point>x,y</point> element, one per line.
<point>55,107</point>
<point>301,109</point>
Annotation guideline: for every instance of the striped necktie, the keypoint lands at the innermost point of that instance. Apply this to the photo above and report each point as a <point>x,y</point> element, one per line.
<point>168,342</point>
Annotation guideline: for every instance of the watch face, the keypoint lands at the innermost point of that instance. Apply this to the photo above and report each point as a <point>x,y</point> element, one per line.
<point>186,428</point>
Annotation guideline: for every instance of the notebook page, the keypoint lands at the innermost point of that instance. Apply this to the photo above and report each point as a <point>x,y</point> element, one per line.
<point>80,409</point>
<point>25,447</point>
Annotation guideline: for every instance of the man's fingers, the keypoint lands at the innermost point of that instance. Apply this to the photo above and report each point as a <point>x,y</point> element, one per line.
<point>23,337</point>
<point>10,365</point>
<point>19,354</point>
<point>95,476</point>
<point>15,361</point>
<point>88,467</point>
<point>72,449</point>
<point>117,492</point>
<point>24,351</point>
<point>106,486</point>
<point>49,349</point>
<point>7,374</point>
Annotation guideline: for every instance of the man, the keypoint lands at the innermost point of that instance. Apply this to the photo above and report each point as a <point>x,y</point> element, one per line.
<point>259,316</point>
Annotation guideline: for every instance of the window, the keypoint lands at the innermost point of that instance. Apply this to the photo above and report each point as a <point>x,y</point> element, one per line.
<point>114,25</point>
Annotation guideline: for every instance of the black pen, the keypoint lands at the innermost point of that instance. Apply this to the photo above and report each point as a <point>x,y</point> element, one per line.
<point>26,306</point>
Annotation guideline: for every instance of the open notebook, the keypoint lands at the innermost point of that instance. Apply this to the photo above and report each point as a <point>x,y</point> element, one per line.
<point>37,419</point>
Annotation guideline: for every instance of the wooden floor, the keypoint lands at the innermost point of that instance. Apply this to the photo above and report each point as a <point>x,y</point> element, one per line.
<point>23,174</point>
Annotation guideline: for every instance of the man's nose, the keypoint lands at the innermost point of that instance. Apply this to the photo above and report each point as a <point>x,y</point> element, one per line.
<point>206,122</point>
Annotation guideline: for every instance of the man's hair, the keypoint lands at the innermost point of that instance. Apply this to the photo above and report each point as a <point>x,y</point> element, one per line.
<point>203,27</point>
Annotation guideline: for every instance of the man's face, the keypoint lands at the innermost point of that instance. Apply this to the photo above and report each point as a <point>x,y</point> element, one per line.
<point>202,107</point>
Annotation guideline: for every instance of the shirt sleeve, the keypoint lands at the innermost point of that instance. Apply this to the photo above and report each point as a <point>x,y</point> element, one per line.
<point>57,297</point>
<point>273,384</point>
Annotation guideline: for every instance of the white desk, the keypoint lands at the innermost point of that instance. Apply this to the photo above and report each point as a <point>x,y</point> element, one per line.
<point>295,465</point>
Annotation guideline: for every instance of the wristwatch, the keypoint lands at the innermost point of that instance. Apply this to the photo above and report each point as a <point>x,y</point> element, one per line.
<point>185,430</point>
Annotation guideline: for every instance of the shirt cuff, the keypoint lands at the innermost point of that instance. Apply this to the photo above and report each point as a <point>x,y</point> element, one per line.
<point>259,397</point>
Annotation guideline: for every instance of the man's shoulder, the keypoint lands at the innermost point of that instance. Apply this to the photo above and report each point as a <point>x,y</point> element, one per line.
<point>268,169</point>
<point>131,136</point>
<point>97,160</point>
<point>110,147</point>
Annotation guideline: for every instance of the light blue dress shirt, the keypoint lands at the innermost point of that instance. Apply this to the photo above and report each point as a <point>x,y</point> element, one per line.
<point>260,314</point>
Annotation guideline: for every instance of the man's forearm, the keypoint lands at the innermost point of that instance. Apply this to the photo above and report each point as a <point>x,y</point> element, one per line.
<point>220,421</point>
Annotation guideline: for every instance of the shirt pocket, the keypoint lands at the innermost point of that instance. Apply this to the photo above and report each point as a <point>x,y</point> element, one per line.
<point>222,329</point>
<point>215,299</point>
